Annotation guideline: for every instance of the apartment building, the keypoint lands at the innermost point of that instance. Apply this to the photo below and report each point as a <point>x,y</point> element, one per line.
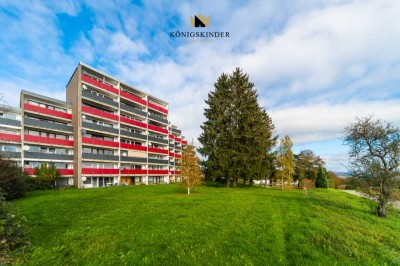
<point>106,132</point>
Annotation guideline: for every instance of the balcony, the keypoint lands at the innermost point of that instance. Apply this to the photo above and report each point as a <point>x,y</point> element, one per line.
<point>178,155</point>
<point>45,124</point>
<point>100,171</point>
<point>10,122</point>
<point>10,137</point>
<point>100,142</point>
<point>99,84</point>
<point>171,145</point>
<point>178,139</point>
<point>157,150</point>
<point>158,161</point>
<point>134,171</point>
<point>133,98</point>
<point>132,110</point>
<point>184,142</point>
<point>63,172</point>
<point>101,157</point>
<point>177,147</point>
<point>160,140</point>
<point>171,154</point>
<point>133,147</point>
<point>133,122</point>
<point>159,119</point>
<point>99,113</point>
<point>133,135</point>
<point>158,172</point>
<point>100,128</point>
<point>158,129</point>
<point>97,98</point>
<point>157,107</point>
<point>48,156</point>
<point>48,141</point>
<point>177,131</point>
<point>175,172</point>
<point>133,159</point>
<point>45,111</point>
<point>11,154</point>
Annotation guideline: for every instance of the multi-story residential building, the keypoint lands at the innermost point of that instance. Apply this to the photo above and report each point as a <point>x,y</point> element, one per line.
<point>106,132</point>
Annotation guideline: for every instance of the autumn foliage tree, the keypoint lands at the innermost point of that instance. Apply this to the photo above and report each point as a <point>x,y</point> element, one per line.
<point>190,169</point>
<point>285,161</point>
<point>46,176</point>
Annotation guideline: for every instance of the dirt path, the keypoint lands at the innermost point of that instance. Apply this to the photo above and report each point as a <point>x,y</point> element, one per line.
<point>396,204</point>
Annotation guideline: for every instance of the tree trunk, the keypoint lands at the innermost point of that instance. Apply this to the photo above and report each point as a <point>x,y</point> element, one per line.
<point>188,190</point>
<point>282,183</point>
<point>382,201</point>
<point>235,182</point>
<point>251,182</point>
<point>228,182</point>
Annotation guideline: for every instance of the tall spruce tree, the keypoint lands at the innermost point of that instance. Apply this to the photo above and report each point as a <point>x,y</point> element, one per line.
<point>237,135</point>
<point>322,178</point>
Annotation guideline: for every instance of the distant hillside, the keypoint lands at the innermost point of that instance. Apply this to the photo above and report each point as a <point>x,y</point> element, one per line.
<point>342,174</point>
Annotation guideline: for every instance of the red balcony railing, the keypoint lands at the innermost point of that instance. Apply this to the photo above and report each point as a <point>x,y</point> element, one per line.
<point>158,150</point>
<point>133,147</point>
<point>42,110</point>
<point>157,107</point>
<point>178,139</point>
<point>174,172</point>
<point>133,122</point>
<point>171,154</point>
<point>100,171</point>
<point>100,142</point>
<point>158,129</point>
<point>171,136</point>
<point>100,113</point>
<point>133,98</point>
<point>10,137</point>
<point>134,171</point>
<point>178,155</point>
<point>99,84</point>
<point>51,141</point>
<point>184,142</point>
<point>63,172</point>
<point>158,172</point>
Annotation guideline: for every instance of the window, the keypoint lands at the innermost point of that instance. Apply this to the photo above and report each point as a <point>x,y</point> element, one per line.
<point>33,133</point>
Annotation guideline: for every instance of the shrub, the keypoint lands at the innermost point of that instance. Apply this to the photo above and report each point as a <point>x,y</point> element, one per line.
<point>12,179</point>
<point>13,239</point>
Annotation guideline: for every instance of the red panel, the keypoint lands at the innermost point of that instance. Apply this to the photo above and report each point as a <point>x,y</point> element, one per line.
<point>171,154</point>
<point>97,112</point>
<point>157,107</point>
<point>133,172</point>
<point>10,137</point>
<point>158,129</point>
<point>184,142</point>
<point>178,156</point>
<point>171,136</point>
<point>66,171</point>
<point>63,172</point>
<point>158,172</point>
<point>133,98</point>
<point>133,122</point>
<point>100,142</point>
<point>42,110</point>
<point>100,171</point>
<point>45,140</point>
<point>133,147</point>
<point>178,139</point>
<point>157,150</point>
<point>99,84</point>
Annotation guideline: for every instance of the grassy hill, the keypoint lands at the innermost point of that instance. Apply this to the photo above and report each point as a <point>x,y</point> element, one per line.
<point>214,226</point>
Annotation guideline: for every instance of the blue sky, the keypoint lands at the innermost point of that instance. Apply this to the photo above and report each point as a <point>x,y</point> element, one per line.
<point>316,64</point>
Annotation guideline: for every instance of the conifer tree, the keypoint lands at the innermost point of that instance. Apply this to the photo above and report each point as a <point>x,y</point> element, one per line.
<point>322,178</point>
<point>190,168</point>
<point>237,135</point>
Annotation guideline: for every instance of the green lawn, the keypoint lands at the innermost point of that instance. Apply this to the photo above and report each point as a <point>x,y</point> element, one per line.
<point>160,225</point>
